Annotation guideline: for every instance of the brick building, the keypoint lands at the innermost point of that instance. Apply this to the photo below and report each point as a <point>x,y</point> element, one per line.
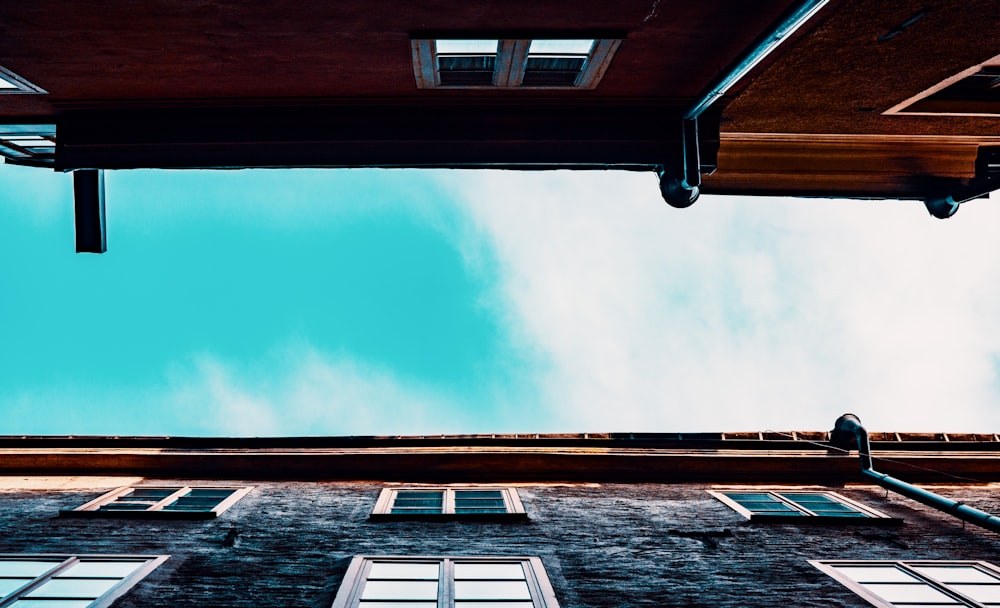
<point>845,98</point>
<point>609,520</point>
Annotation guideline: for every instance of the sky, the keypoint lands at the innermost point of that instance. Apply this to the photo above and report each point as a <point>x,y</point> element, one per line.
<point>361,302</point>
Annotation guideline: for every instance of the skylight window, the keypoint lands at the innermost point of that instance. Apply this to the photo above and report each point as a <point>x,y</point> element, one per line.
<point>555,62</point>
<point>465,63</point>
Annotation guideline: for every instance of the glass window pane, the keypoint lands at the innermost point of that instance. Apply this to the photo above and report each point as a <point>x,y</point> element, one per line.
<point>827,507</point>
<point>489,590</point>
<point>26,567</point>
<point>467,63</point>
<point>101,569</point>
<point>561,47</point>
<point>404,570</point>
<point>8,585</point>
<point>811,498</point>
<point>556,64</point>
<point>489,571</point>
<point>192,503</point>
<point>741,497</point>
<point>986,594</point>
<point>379,604</point>
<point>30,140</point>
<point>74,588</point>
<point>887,573</point>
<point>157,493</point>
<point>125,506</point>
<point>908,593</point>
<point>490,494</point>
<point>219,493</point>
<point>400,590</point>
<point>51,604</point>
<point>473,47</point>
<point>956,574</point>
<point>4,84</point>
<point>765,506</point>
<point>461,604</point>
<point>780,513</point>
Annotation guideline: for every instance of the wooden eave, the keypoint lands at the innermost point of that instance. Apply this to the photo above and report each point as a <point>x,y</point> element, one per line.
<point>532,458</point>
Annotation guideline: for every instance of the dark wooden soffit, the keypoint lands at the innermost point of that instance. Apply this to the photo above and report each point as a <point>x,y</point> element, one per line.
<point>379,133</point>
<point>601,458</point>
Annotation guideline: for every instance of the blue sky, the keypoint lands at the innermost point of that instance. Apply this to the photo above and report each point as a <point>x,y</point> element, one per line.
<point>390,301</point>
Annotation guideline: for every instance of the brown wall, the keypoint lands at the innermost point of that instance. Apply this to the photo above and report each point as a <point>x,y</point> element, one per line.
<point>602,545</point>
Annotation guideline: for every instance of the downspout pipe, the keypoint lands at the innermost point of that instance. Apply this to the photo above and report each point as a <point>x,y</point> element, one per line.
<point>680,186</point>
<point>848,428</point>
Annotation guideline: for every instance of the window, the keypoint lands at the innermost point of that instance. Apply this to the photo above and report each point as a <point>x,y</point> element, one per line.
<point>78,581</point>
<point>972,92</point>
<point>918,583</point>
<point>508,63</point>
<point>799,505</point>
<point>12,83</point>
<point>160,501</point>
<point>435,503</point>
<point>28,142</point>
<point>445,582</point>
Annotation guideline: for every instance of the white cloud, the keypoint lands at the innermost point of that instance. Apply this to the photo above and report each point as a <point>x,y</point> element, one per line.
<point>297,390</point>
<point>742,313</point>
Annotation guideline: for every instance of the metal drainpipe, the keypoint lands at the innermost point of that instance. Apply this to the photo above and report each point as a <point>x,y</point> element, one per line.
<point>682,190</point>
<point>849,427</point>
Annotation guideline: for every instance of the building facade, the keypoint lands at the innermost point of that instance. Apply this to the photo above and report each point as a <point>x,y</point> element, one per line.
<point>704,520</point>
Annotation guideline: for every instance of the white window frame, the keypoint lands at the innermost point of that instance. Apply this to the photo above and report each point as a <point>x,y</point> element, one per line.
<point>873,515</point>
<point>351,589</point>
<point>151,562</point>
<point>511,60</point>
<point>829,567</point>
<point>20,85</point>
<point>92,508</point>
<point>387,498</point>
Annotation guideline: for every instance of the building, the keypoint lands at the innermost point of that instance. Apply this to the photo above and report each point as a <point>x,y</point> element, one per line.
<point>845,98</point>
<point>608,520</point>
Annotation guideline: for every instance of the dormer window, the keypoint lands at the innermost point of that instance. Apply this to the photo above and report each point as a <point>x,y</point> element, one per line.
<point>446,63</point>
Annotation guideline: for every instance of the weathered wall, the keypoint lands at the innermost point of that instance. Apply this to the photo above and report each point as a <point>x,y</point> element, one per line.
<point>602,545</point>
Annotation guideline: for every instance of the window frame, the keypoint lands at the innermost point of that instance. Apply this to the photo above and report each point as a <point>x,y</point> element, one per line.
<point>21,86</point>
<point>511,61</point>
<point>387,498</point>
<point>156,511</point>
<point>102,601</point>
<point>353,584</point>
<point>874,516</point>
<point>18,153</point>
<point>829,567</point>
